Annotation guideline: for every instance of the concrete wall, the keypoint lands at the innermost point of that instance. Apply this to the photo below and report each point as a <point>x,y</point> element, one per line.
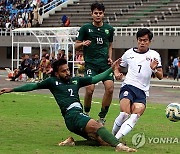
<point>4,62</point>
<point>158,42</point>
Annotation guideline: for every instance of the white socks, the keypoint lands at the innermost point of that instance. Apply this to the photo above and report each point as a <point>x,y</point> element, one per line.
<point>127,126</point>
<point>119,121</point>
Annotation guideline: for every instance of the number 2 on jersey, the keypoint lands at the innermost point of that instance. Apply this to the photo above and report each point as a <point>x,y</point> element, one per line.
<point>71,92</point>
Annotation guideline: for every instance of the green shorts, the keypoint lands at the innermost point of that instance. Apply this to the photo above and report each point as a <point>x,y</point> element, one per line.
<point>76,121</point>
<point>92,70</point>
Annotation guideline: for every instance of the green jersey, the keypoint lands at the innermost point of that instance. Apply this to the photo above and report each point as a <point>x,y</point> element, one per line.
<point>64,93</point>
<point>100,37</point>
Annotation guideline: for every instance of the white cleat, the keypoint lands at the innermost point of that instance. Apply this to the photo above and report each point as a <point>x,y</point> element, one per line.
<point>68,142</point>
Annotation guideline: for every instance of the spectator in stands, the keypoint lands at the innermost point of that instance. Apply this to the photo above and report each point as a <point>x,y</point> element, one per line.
<point>36,16</point>
<point>26,67</point>
<point>53,59</point>
<point>44,52</point>
<point>175,67</point>
<point>36,65</point>
<point>170,69</point>
<point>20,21</point>
<point>65,21</point>
<point>61,54</point>
<point>178,73</point>
<point>44,68</point>
<point>8,25</point>
<point>79,65</point>
<point>25,18</point>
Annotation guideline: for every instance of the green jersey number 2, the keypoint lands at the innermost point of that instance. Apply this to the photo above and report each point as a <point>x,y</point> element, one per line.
<point>99,40</point>
<point>71,92</point>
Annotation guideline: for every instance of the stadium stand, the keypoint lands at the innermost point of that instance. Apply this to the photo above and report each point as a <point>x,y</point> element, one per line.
<point>24,13</point>
<point>122,13</point>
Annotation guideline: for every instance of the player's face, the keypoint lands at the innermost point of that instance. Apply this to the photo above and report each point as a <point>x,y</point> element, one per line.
<point>143,43</point>
<point>64,73</point>
<point>97,16</point>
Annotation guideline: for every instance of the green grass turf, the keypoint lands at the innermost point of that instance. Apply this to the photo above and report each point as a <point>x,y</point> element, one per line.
<point>32,123</point>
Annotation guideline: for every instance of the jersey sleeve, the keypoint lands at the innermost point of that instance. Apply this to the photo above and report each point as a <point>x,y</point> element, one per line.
<point>81,34</point>
<point>124,60</point>
<point>45,84</point>
<point>159,60</point>
<point>84,81</point>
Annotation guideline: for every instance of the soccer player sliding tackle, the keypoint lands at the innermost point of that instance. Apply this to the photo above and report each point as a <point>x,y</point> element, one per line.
<point>65,90</point>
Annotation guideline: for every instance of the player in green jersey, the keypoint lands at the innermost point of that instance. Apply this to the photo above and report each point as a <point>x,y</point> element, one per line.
<point>65,90</point>
<point>96,41</point>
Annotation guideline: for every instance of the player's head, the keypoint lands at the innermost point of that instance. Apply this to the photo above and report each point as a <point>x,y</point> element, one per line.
<point>97,12</point>
<point>144,37</point>
<point>61,70</point>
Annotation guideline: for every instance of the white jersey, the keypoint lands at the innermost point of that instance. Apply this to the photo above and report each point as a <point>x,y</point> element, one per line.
<point>139,71</point>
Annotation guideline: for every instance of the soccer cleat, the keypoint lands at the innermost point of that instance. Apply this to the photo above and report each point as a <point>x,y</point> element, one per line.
<point>122,147</point>
<point>68,142</point>
<point>101,121</point>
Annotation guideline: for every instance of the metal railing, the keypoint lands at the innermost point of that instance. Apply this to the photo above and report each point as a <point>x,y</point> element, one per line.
<point>122,31</point>
<point>158,31</point>
<point>51,5</point>
<point>4,32</point>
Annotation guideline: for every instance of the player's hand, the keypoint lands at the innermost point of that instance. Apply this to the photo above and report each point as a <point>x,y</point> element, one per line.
<point>86,43</point>
<point>118,76</point>
<point>110,61</point>
<point>115,64</point>
<point>116,67</point>
<point>154,63</point>
<point>5,90</point>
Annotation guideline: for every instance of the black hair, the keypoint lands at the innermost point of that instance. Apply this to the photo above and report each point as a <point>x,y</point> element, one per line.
<point>144,31</point>
<point>57,64</point>
<point>98,6</point>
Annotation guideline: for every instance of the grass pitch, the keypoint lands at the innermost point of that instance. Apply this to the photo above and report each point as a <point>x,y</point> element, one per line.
<point>32,123</point>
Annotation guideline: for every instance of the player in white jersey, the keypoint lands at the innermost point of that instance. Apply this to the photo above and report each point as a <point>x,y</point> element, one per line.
<point>141,63</point>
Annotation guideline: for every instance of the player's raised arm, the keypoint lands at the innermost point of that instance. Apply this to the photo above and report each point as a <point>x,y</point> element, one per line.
<point>23,88</point>
<point>157,71</point>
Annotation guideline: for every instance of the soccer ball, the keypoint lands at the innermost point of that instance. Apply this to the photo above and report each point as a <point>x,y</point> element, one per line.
<point>173,112</point>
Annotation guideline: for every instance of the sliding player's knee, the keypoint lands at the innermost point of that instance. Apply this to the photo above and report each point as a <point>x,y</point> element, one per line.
<point>93,126</point>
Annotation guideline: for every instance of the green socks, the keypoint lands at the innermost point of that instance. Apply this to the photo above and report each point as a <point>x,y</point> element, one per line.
<point>107,137</point>
<point>103,112</point>
<point>87,109</point>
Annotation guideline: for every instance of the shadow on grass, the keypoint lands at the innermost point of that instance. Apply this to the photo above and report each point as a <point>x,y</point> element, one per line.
<point>87,143</point>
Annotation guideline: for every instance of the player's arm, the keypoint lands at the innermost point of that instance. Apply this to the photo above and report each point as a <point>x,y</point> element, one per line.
<point>117,73</point>
<point>24,88</point>
<point>158,71</point>
<point>45,84</point>
<point>81,44</point>
<point>110,54</point>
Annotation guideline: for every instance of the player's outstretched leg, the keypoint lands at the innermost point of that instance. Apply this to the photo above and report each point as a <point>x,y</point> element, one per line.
<point>123,116</point>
